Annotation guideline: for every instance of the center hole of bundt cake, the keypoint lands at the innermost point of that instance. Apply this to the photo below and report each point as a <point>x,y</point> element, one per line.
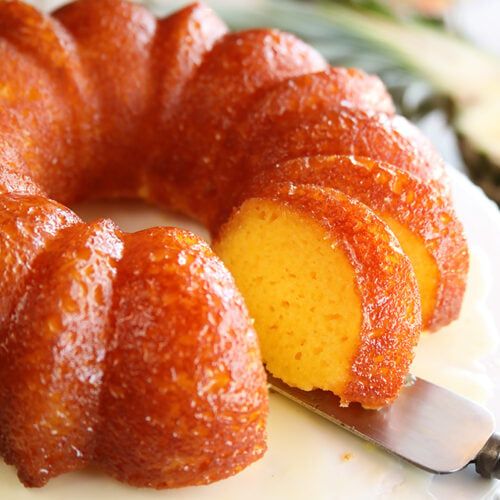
<point>134,215</point>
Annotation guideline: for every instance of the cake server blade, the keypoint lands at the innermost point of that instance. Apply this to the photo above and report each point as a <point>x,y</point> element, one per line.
<point>428,426</point>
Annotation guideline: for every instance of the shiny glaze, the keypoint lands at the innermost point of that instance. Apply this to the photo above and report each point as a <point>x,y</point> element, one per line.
<point>184,391</point>
<point>27,225</point>
<point>53,351</point>
<point>334,87</point>
<point>237,66</point>
<point>263,140</point>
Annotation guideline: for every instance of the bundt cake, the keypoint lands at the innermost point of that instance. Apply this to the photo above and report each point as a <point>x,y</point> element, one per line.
<point>135,352</point>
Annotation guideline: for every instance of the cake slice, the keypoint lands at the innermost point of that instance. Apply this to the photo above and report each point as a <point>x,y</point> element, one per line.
<point>334,298</point>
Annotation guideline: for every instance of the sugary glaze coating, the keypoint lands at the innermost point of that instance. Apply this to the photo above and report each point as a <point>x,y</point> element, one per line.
<point>107,332</point>
<point>184,389</point>
<point>238,65</point>
<point>27,224</point>
<point>64,275</point>
<point>399,198</point>
<point>375,326</point>
<point>181,42</point>
<point>334,87</point>
<point>108,47</point>
<point>33,117</point>
<point>53,352</point>
<point>11,180</point>
<point>263,140</point>
<point>102,99</point>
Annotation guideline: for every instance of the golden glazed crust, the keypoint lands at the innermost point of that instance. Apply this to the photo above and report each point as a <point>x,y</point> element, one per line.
<point>333,87</point>
<point>237,66</point>
<point>27,224</point>
<point>261,141</point>
<point>45,96</point>
<point>302,94</point>
<point>180,45</point>
<point>33,118</point>
<point>62,106</point>
<point>51,362</point>
<point>105,347</point>
<point>13,180</point>
<point>118,61</point>
<point>180,386</point>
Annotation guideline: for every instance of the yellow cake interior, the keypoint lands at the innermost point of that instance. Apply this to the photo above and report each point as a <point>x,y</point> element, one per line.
<point>300,289</point>
<point>426,270</point>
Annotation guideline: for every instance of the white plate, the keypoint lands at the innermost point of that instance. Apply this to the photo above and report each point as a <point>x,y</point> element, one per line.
<point>308,457</point>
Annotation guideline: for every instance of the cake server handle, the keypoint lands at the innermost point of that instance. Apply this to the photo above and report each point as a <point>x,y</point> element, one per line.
<point>487,461</point>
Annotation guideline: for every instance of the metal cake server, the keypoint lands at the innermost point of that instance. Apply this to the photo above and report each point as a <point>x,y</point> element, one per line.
<point>428,426</point>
